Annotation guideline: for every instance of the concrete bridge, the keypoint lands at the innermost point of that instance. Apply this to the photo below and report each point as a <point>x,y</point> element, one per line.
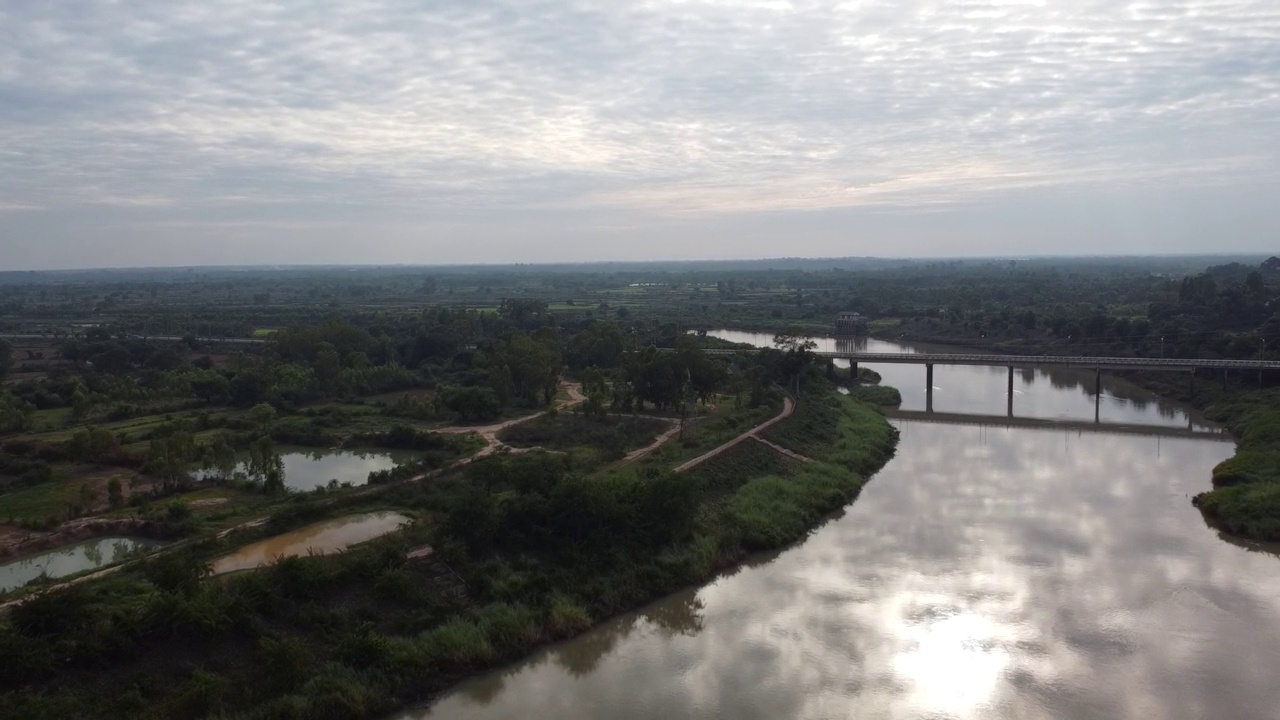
<point>1044,362</point>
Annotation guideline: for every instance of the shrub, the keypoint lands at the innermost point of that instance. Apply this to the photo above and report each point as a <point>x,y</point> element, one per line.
<point>456,644</point>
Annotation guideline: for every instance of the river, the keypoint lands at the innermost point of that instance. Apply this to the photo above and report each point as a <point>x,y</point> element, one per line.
<point>987,572</point>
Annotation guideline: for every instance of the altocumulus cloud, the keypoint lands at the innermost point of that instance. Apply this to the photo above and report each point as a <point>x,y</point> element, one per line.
<point>401,130</point>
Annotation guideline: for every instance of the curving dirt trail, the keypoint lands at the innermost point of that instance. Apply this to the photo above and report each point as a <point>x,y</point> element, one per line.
<point>788,407</point>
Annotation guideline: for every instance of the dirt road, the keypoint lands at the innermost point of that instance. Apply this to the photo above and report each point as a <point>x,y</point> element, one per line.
<point>788,407</point>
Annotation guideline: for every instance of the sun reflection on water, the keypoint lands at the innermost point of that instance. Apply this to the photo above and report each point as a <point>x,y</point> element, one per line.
<point>953,658</point>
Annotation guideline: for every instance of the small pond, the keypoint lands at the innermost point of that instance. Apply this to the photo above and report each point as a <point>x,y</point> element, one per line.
<point>70,560</point>
<point>331,536</point>
<point>309,468</point>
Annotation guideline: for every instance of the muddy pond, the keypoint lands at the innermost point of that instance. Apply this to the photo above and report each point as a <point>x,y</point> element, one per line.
<point>331,536</point>
<point>70,560</point>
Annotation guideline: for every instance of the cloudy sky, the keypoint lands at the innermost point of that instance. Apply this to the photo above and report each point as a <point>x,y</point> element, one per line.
<point>422,131</point>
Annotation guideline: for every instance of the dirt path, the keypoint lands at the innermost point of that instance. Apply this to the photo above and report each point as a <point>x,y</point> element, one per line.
<point>788,407</point>
<point>658,442</point>
<point>489,433</point>
<point>778,448</point>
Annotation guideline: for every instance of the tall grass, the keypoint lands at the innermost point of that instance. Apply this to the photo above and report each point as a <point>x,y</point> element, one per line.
<point>1246,498</point>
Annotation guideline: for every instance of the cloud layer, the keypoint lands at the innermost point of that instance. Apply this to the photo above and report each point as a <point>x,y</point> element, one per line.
<point>454,131</point>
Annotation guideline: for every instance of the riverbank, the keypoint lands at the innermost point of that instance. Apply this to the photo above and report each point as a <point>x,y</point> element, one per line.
<point>1245,498</point>
<point>524,552</point>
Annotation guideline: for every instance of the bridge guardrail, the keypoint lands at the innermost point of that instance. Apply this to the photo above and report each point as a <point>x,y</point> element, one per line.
<point>1064,360</point>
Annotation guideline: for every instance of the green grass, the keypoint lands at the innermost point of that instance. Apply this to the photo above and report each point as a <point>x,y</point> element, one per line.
<point>51,419</point>
<point>1246,498</point>
<point>877,395</point>
<point>772,511</point>
<point>40,502</point>
<point>725,473</point>
<point>567,431</point>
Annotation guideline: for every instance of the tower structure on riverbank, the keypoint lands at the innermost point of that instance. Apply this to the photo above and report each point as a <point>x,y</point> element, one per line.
<point>850,323</point>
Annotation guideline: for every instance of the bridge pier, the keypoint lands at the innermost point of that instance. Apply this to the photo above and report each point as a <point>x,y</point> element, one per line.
<point>1224,379</point>
<point>928,387</point>
<point>1097,396</point>
<point>1010,391</point>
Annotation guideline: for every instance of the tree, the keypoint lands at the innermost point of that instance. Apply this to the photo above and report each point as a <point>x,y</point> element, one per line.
<point>115,494</point>
<point>6,358</point>
<point>472,403</point>
<point>265,465</point>
<point>262,415</point>
<point>596,387</point>
<point>327,363</point>
<point>501,383</point>
<point>15,413</point>
<point>220,457</point>
<point>1255,283</point>
<point>93,445</point>
<point>80,403</point>
<point>171,456</point>
<point>88,497</point>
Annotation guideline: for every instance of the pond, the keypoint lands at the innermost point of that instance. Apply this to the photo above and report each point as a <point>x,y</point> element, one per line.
<point>331,536</point>
<point>70,560</point>
<point>991,570</point>
<point>309,468</point>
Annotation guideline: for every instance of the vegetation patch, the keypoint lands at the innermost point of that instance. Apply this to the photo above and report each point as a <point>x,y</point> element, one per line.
<point>611,435</point>
<point>881,395</point>
<point>526,551</point>
<point>1246,498</point>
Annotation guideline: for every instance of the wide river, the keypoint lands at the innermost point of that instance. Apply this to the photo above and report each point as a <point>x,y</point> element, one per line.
<point>987,572</point>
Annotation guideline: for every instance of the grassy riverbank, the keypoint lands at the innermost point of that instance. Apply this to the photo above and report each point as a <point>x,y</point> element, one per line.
<point>534,553</point>
<point>1246,495</point>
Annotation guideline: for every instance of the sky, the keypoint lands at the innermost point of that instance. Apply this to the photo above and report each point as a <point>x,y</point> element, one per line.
<point>232,132</point>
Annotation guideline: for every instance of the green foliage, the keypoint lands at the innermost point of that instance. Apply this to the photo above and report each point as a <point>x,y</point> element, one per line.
<point>771,511</point>
<point>6,358</point>
<point>15,413</point>
<point>1251,510</point>
<point>115,494</point>
<point>1246,500</point>
<point>613,436</point>
<point>93,444</point>
<point>458,644</point>
<point>472,403</point>
<point>880,395</point>
<point>567,618</point>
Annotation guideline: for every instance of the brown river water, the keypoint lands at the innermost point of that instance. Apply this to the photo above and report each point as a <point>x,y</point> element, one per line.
<point>988,571</point>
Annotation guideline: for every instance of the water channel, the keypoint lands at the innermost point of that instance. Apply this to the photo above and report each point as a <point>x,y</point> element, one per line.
<point>309,468</point>
<point>70,560</point>
<point>987,572</point>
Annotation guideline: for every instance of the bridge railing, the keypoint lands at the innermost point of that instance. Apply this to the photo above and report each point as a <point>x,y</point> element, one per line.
<point>1017,360</point>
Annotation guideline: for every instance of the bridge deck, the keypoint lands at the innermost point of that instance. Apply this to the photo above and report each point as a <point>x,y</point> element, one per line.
<point>1047,361</point>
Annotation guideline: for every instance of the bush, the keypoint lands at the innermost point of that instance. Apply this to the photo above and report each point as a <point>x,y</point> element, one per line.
<point>459,643</point>
<point>566,618</point>
<point>877,395</point>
